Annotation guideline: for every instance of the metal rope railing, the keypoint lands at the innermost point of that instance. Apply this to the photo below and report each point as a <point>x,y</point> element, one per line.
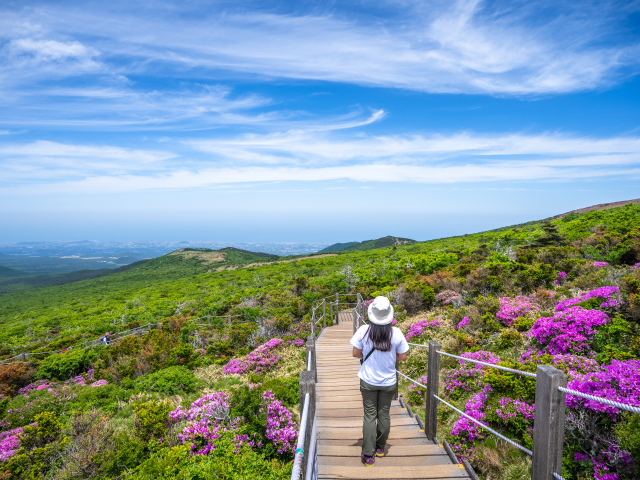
<point>299,453</point>
<point>622,406</point>
<point>520,372</point>
<point>486,427</point>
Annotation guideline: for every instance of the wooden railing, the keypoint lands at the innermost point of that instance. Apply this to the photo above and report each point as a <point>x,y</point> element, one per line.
<point>549,415</point>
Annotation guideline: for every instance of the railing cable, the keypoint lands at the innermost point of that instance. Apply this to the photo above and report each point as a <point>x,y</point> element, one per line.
<point>499,435</point>
<point>299,453</point>
<point>520,372</point>
<point>622,406</point>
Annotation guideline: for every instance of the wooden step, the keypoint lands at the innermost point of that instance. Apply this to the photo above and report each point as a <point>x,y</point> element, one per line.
<point>398,442</point>
<point>443,472</point>
<point>357,422</point>
<point>390,450</point>
<point>356,433</point>
<point>355,461</point>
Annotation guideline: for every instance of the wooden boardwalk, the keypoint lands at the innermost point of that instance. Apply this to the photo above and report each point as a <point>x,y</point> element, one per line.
<point>339,412</point>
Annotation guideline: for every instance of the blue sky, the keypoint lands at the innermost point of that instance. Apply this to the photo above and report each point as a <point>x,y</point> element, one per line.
<point>312,121</point>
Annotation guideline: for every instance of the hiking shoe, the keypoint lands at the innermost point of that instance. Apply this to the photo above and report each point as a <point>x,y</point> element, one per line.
<point>379,452</point>
<point>368,461</point>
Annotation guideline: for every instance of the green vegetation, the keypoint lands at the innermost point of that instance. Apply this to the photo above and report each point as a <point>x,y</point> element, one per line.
<point>103,412</point>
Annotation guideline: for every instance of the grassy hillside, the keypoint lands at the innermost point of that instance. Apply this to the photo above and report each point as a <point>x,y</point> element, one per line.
<point>6,272</point>
<point>383,242</point>
<point>336,247</point>
<point>489,294</point>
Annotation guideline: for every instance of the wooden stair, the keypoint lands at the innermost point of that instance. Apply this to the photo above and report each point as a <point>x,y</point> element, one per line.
<point>339,412</point>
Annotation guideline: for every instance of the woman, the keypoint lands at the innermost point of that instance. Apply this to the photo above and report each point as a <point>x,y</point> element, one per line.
<point>380,346</point>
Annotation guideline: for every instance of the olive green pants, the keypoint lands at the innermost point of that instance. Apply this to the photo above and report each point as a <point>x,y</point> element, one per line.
<point>377,421</point>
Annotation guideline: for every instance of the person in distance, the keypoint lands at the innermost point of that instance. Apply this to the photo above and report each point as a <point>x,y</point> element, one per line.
<point>379,345</point>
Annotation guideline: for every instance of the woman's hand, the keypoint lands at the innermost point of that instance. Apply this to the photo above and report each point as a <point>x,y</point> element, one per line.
<point>358,353</point>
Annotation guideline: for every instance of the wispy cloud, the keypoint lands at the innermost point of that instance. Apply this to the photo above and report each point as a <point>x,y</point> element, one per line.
<point>464,46</point>
<point>313,156</point>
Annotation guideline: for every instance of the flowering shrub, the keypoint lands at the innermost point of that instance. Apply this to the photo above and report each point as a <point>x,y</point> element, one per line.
<point>562,277</point>
<point>418,328</point>
<point>281,429</point>
<point>9,443</point>
<point>465,428</point>
<point>510,408</point>
<point>416,392</point>
<point>463,323</point>
<point>605,296</point>
<point>100,383</point>
<point>261,360</point>
<point>37,386</point>
<point>512,308</point>
<point>601,264</point>
<point>467,376</point>
<point>447,297</point>
<point>619,382</point>
<point>568,331</point>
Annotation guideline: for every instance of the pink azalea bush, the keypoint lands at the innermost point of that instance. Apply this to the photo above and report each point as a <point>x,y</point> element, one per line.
<point>261,360</point>
<point>619,382</point>
<point>465,428</point>
<point>281,429</point>
<point>416,392</point>
<point>610,297</point>
<point>463,323</point>
<point>512,308</point>
<point>447,297</point>
<point>568,331</point>
<point>9,443</point>
<point>419,328</point>
<point>601,264</point>
<point>467,376</point>
<point>562,277</point>
<point>510,408</point>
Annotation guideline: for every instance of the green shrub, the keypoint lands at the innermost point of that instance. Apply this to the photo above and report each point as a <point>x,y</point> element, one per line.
<point>171,381</point>
<point>152,419</point>
<point>40,447</point>
<point>61,366</point>
<point>511,384</point>
<point>285,389</point>
<point>105,397</point>
<point>226,462</point>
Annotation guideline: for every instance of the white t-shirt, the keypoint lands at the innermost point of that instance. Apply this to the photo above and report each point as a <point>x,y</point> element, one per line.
<point>380,368</point>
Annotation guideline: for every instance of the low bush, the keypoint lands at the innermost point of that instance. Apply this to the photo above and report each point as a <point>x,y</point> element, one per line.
<point>61,366</point>
<point>170,381</point>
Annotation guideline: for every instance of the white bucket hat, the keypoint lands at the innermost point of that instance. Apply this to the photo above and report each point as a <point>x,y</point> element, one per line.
<point>381,311</point>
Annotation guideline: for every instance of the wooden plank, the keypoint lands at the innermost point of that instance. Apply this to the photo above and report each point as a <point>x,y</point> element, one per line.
<point>400,442</point>
<point>356,434</point>
<point>355,461</point>
<point>351,412</point>
<point>390,449</point>
<point>355,422</point>
<point>391,473</point>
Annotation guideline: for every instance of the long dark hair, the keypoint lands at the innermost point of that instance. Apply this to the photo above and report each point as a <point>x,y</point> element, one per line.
<point>380,336</point>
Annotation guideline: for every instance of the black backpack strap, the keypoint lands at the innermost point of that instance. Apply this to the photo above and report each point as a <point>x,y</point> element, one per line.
<point>362,360</point>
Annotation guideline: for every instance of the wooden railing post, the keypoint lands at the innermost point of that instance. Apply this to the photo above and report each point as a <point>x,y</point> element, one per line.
<point>307,385</point>
<point>395,395</point>
<point>313,324</point>
<point>355,319</point>
<point>311,350</point>
<point>431,407</point>
<point>229,318</point>
<point>324,313</point>
<point>336,321</point>
<point>548,425</point>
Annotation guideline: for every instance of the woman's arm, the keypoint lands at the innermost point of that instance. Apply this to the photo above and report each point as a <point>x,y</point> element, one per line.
<point>358,353</point>
<point>401,357</point>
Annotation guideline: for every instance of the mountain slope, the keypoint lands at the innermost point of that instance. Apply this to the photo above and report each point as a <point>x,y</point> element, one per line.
<point>337,247</point>
<point>383,242</point>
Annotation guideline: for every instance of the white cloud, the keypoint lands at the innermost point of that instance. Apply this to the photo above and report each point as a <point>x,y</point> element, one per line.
<point>312,156</point>
<point>463,46</point>
<point>51,49</point>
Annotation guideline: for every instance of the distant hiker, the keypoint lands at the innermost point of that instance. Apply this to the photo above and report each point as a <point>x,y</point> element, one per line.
<point>379,345</point>
<point>106,340</point>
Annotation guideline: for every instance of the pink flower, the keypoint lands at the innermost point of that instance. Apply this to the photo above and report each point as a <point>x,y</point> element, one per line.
<point>463,323</point>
